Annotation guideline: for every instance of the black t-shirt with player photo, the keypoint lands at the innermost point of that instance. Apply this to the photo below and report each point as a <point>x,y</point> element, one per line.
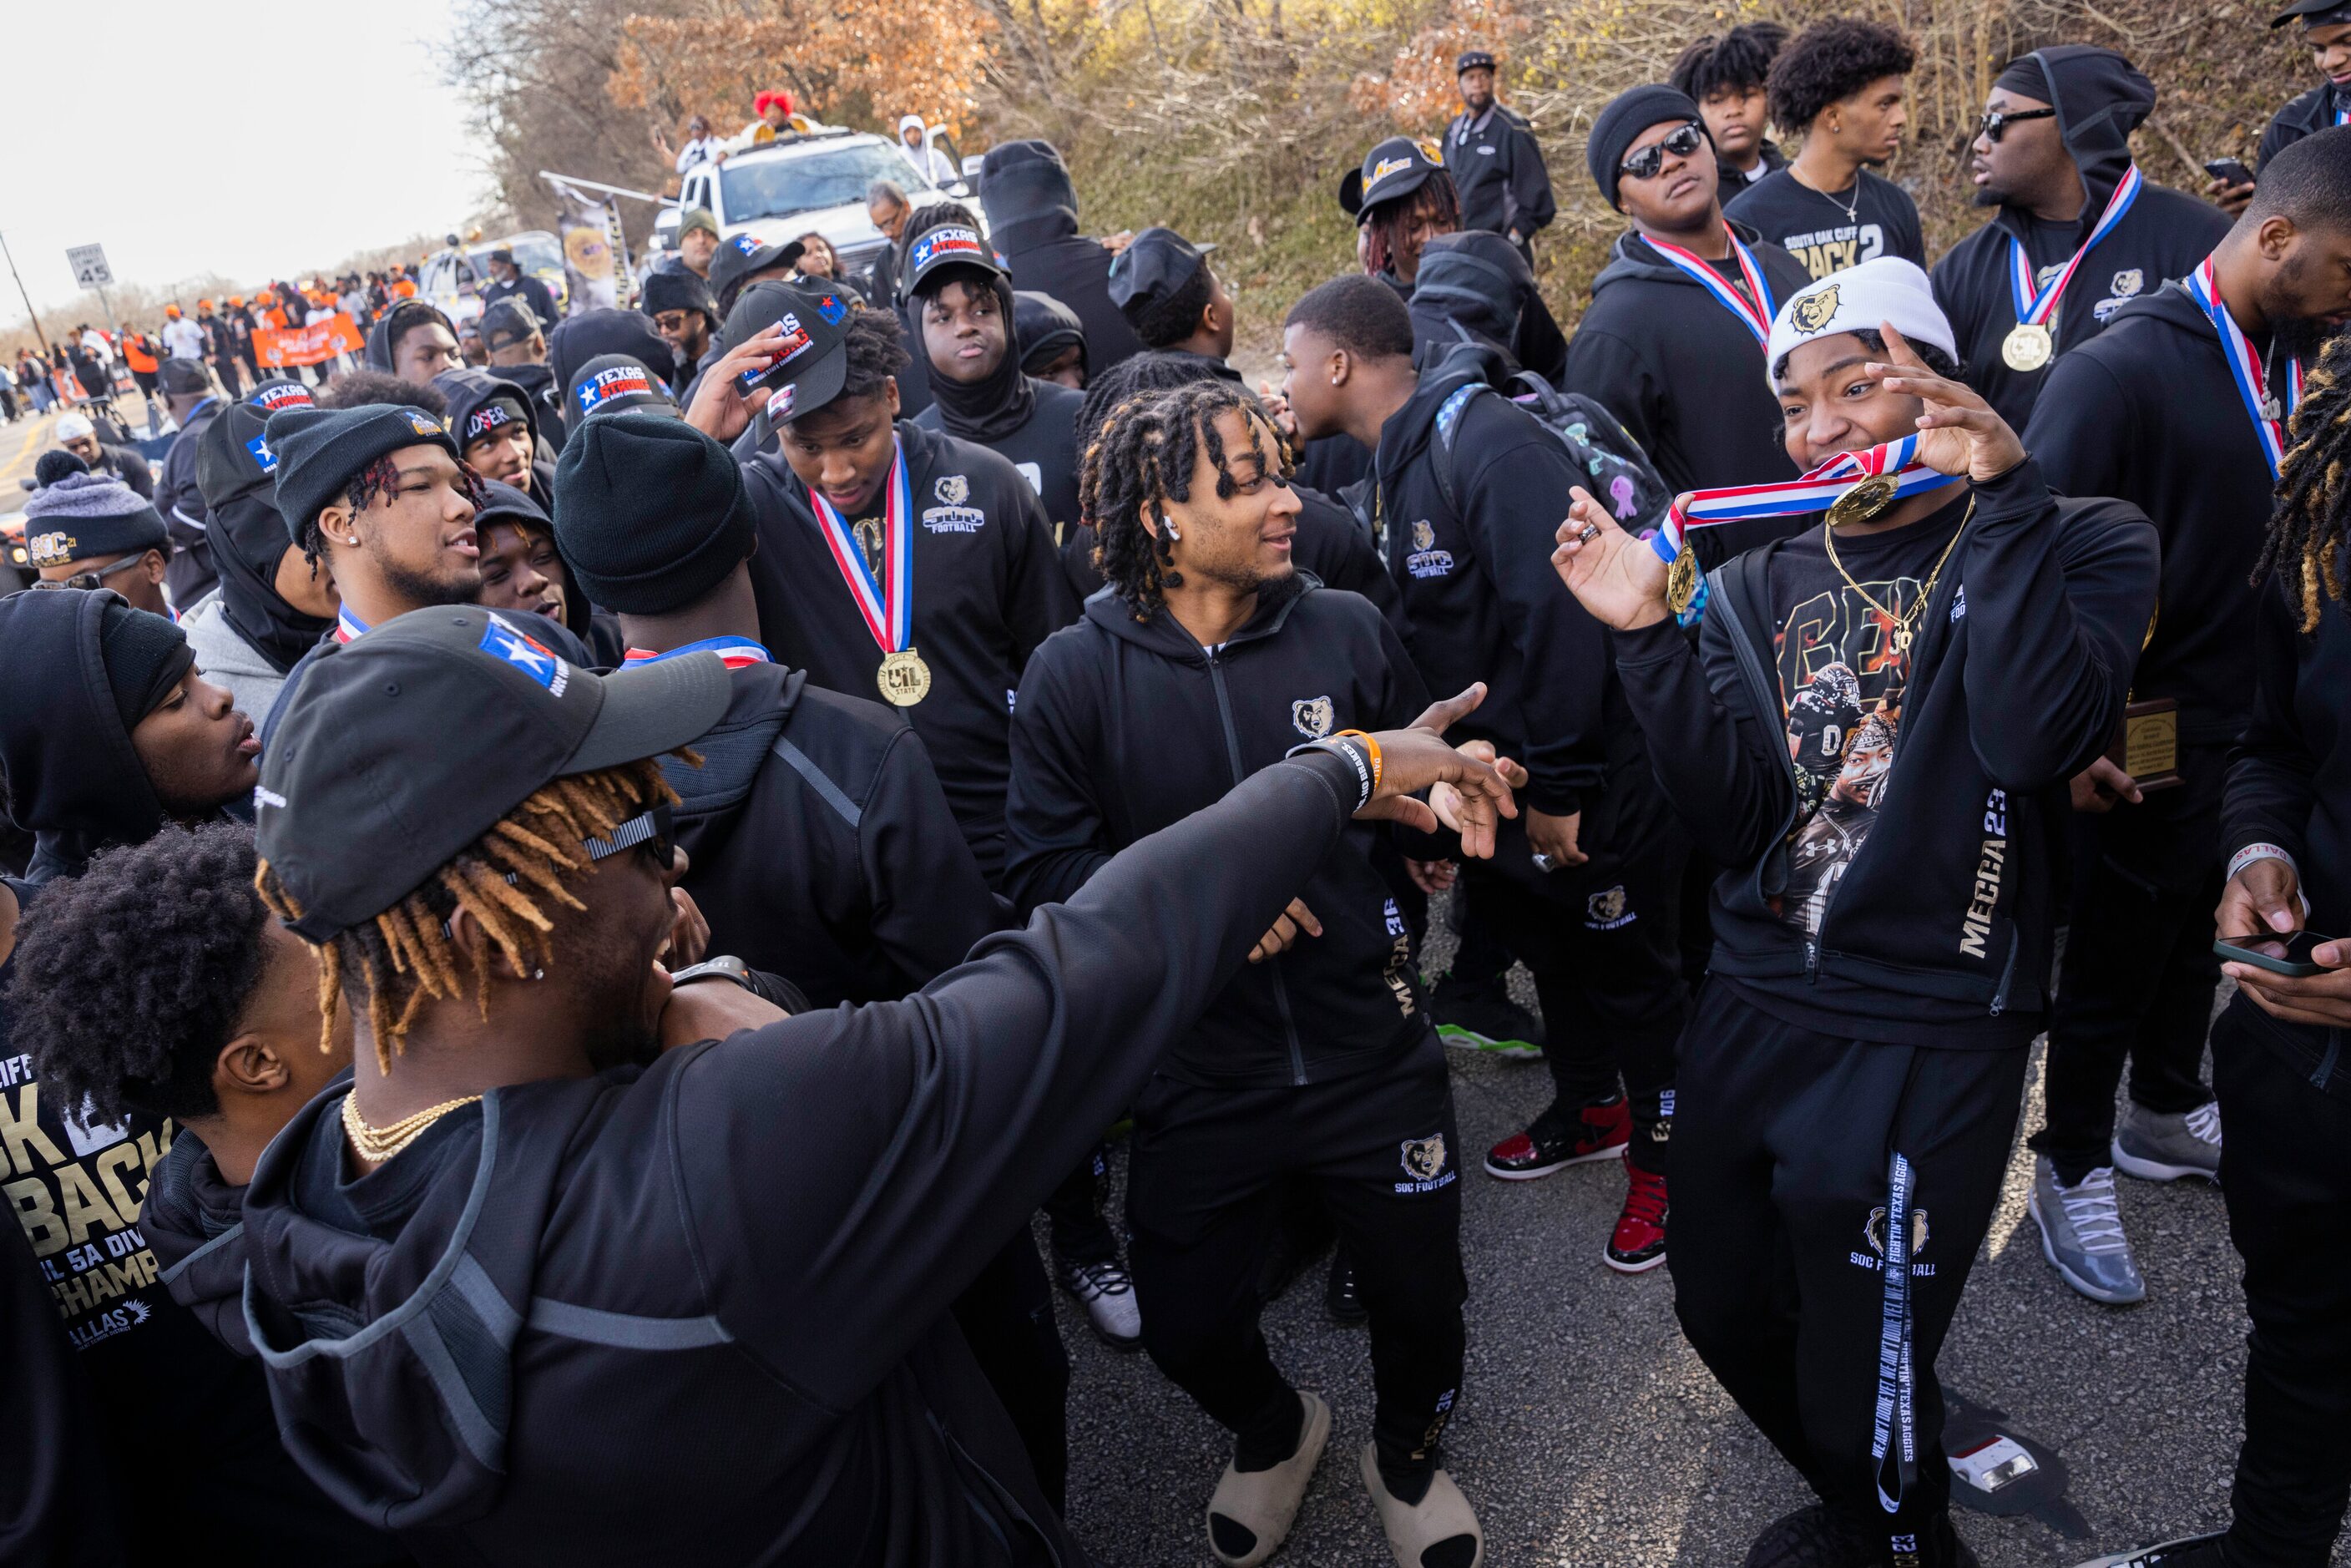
<point>1830,233</point>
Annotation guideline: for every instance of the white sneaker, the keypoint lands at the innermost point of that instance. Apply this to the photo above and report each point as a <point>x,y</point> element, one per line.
<point>1108,1296</point>
<point>2082,1234</point>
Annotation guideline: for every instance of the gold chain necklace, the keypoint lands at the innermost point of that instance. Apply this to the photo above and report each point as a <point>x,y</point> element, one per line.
<point>1902,623</point>
<point>377,1144</point>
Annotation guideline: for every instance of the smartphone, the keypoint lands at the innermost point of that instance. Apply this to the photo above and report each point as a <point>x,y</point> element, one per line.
<point>2285,953</point>
<point>2229,172</point>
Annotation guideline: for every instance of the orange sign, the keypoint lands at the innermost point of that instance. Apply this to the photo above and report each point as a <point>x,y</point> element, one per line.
<point>282,346</point>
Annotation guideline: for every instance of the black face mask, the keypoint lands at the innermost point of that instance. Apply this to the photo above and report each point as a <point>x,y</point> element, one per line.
<point>981,410</point>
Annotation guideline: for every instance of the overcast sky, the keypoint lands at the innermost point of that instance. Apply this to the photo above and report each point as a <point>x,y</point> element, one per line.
<point>243,137</point>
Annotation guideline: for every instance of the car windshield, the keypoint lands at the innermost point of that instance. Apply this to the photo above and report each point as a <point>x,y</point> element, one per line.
<point>537,253</point>
<point>778,187</point>
<point>446,274</point>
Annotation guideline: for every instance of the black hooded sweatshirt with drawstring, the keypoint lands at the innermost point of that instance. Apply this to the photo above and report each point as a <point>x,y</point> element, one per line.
<point>1031,424</point>
<point>192,571</point>
<point>1032,221</point>
<point>1688,378</point>
<point>1127,726</point>
<point>721,1281</point>
<point>249,541</point>
<point>2099,99</point>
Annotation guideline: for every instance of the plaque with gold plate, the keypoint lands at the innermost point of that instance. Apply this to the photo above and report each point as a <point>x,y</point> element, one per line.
<point>2147,742</point>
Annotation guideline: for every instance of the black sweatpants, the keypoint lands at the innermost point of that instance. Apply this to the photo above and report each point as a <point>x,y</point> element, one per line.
<point>1006,1318</point>
<point>2288,1190</point>
<point>1082,1232</point>
<point>1782,1188</point>
<point>1604,947</point>
<point>2139,972</point>
<point>1201,1204</point>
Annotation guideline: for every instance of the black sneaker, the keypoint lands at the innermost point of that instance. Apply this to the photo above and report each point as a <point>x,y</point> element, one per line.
<point>1339,1298</point>
<point>1481,1016</point>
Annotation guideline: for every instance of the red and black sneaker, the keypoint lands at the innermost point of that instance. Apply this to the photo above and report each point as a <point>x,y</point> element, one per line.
<point>1562,1136</point>
<point>1639,1243</point>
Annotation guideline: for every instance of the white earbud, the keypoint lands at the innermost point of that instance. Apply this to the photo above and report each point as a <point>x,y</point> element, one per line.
<point>1172,533</point>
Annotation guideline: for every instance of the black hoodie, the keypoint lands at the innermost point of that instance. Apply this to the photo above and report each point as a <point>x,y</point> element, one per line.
<point>1476,287</point>
<point>249,541</point>
<point>379,338</point>
<point>1687,377</point>
<point>1043,446</point>
<point>721,1281</point>
<point>469,388</point>
<point>1032,221</point>
<point>1480,598</point>
<point>1127,726</point>
<point>2311,112</point>
<point>822,848</point>
<point>74,780</point>
<point>987,586</point>
<point>2147,412</point>
<point>1944,917</point>
<point>191,572</point>
<point>2099,99</point>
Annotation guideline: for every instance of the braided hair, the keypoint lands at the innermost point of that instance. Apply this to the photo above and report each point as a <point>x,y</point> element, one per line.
<point>2305,545</point>
<point>506,880</point>
<point>377,480</point>
<point>1386,224</point>
<point>1139,458</point>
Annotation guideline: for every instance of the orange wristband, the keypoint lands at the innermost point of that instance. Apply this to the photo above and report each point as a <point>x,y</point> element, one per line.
<point>1371,746</point>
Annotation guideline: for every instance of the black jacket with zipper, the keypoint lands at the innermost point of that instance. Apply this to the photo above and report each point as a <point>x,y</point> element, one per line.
<point>2289,785</point>
<point>1497,168</point>
<point>2306,115</point>
<point>1127,726</point>
<point>985,594</point>
<point>821,845</point>
<point>2017,682</point>
<point>2099,99</point>
<point>1470,550</point>
<point>722,1280</point>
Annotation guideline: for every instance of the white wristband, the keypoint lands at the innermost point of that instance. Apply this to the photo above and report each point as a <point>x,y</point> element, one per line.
<point>2251,853</point>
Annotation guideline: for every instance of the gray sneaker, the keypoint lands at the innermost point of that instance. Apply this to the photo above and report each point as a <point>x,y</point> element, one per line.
<point>2082,1234</point>
<point>2156,1147</point>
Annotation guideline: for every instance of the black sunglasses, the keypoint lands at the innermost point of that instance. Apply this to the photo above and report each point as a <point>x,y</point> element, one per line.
<point>89,580</point>
<point>1681,143</point>
<point>1994,125</point>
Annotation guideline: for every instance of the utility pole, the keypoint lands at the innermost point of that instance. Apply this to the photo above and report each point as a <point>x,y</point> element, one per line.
<point>40,333</point>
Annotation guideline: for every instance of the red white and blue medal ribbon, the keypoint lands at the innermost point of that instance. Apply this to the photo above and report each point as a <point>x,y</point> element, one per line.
<point>1755,309</point>
<point>1815,491</point>
<point>348,626</point>
<point>734,653</point>
<point>2034,307</point>
<point>2245,368</point>
<point>887,605</point>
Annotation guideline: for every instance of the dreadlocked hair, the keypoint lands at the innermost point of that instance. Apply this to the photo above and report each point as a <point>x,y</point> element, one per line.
<point>1140,459</point>
<point>380,478</point>
<point>1388,223</point>
<point>2305,544</point>
<point>508,880</point>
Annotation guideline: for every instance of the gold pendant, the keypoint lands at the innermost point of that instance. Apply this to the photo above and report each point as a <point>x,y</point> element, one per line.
<point>1902,641</point>
<point>869,542</point>
<point>904,679</point>
<point>1863,501</point>
<point>1681,581</point>
<point>2027,347</point>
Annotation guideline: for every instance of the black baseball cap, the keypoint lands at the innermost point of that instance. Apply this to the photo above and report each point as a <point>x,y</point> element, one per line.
<point>369,786</point>
<point>502,254</point>
<point>745,254</point>
<point>1157,263</point>
<point>2315,13</point>
<point>945,245</point>
<point>612,382</point>
<point>812,366</point>
<point>1473,59</point>
<point>1396,167</point>
<point>507,322</point>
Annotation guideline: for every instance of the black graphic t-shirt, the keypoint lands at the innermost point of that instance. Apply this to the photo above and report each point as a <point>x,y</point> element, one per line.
<point>1830,233</point>
<point>1842,678</point>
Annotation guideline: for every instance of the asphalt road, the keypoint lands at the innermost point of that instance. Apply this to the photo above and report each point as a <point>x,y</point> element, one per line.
<point>1589,1435</point>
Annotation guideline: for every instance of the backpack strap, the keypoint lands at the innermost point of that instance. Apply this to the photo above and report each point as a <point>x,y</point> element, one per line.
<point>1448,416</point>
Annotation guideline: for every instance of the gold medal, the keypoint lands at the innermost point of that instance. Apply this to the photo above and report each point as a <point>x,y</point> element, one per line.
<point>1863,501</point>
<point>2027,347</point>
<point>1681,581</point>
<point>904,678</point>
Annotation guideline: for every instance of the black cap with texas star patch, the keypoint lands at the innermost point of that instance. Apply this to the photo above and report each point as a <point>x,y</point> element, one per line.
<point>281,392</point>
<point>945,245</point>
<point>1396,167</point>
<point>811,365</point>
<point>612,382</point>
<point>368,789</point>
<point>738,258</point>
<point>2314,14</point>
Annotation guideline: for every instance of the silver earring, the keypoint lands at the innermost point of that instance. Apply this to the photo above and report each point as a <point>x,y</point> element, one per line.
<point>352,541</point>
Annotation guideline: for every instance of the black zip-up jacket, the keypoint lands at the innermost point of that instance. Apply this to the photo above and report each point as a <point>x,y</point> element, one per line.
<point>2147,412</point>
<point>1687,377</point>
<point>722,1280</point>
<point>986,592</point>
<point>2289,785</point>
<point>2099,99</point>
<point>2016,682</point>
<point>190,575</point>
<point>1498,169</point>
<point>1480,599</point>
<point>1129,725</point>
<point>822,848</point>
<point>2311,112</point>
<point>1032,221</point>
<point>1044,450</point>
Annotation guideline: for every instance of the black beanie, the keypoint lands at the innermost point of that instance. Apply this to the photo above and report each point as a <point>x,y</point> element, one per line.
<point>678,291</point>
<point>1618,126</point>
<point>145,655</point>
<point>650,514</point>
<point>320,450</point>
<point>54,464</point>
<point>2026,75</point>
